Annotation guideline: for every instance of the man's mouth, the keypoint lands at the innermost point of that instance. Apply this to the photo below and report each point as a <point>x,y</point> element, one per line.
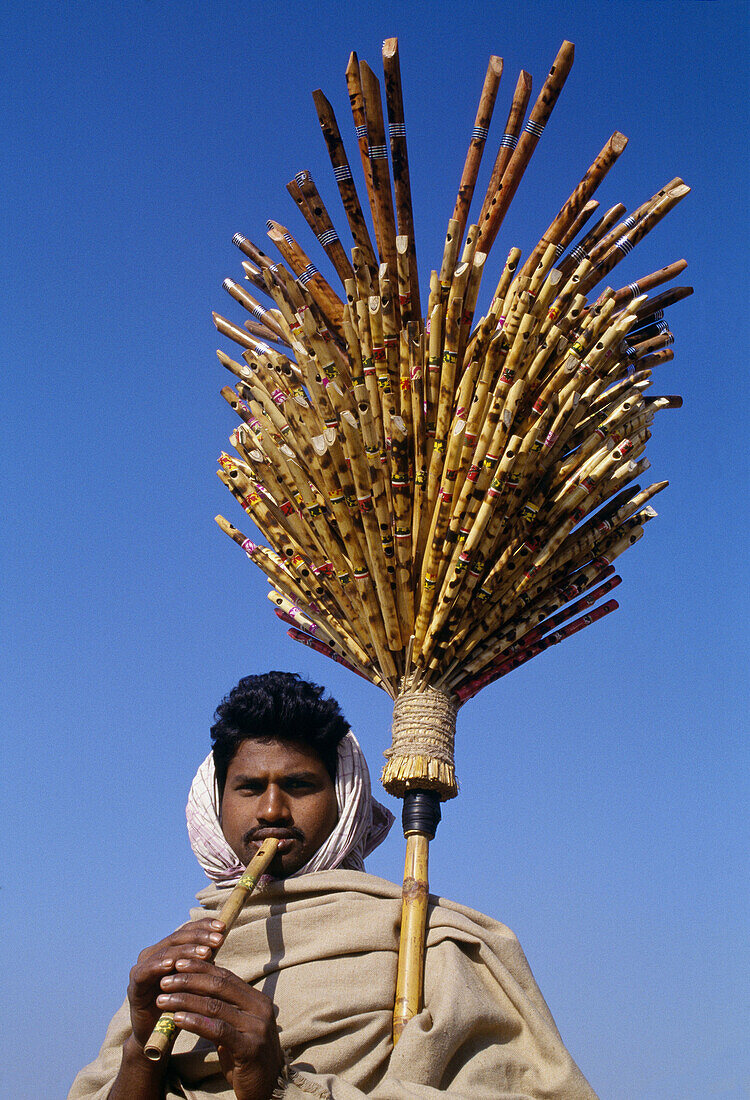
<point>286,837</point>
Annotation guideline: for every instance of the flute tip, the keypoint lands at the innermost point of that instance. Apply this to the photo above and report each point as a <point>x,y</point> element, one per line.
<point>238,239</point>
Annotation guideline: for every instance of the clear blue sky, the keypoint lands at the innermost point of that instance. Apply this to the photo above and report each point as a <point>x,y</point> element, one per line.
<point>603,785</point>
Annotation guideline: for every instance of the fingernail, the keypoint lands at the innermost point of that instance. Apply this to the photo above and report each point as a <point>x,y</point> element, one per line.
<point>168,982</point>
<point>182,964</point>
<point>218,924</point>
<point>216,937</point>
<point>162,1000</point>
<point>167,964</point>
<point>202,950</point>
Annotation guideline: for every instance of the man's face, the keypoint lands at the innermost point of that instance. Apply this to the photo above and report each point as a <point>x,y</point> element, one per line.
<point>278,788</point>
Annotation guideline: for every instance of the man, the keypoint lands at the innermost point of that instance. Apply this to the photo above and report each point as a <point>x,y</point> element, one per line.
<point>299,1002</point>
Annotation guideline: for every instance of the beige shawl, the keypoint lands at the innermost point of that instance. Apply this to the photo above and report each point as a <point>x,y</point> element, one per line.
<point>323,947</point>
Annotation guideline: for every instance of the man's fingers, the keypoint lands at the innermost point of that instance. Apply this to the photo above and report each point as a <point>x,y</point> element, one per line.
<point>244,1036</point>
<point>209,933</point>
<point>205,979</point>
<point>148,971</point>
<point>216,1030</point>
<point>212,1007</point>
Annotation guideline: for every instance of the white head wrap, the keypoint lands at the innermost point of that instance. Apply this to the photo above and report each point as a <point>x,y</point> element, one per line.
<point>362,825</point>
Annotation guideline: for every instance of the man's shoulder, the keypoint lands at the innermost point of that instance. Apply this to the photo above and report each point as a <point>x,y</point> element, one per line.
<point>311,885</point>
<point>355,888</point>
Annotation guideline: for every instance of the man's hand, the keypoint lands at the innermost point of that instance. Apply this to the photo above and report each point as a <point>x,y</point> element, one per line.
<point>212,1002</point>
<point>197,940</point>
<point>139,1077</point>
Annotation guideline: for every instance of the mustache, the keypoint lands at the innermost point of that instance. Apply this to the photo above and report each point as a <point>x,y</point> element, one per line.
<point>261,832</point>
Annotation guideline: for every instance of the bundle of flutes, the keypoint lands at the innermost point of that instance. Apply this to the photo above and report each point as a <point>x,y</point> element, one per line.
<point>441,495</point>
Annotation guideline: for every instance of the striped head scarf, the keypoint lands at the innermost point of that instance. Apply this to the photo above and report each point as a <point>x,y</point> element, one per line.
<point>362,825</point>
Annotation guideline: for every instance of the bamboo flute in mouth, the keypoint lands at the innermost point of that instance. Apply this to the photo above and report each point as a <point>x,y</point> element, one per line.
<point>165,1031</point>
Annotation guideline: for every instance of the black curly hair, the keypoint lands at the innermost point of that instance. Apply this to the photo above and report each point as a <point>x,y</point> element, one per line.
<point>277,706</point>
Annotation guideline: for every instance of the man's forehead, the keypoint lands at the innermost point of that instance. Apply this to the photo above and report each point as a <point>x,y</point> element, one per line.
<point>255,755</point>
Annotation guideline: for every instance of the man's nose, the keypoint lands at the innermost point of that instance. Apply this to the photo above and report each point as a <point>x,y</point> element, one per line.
<point>273,806</point>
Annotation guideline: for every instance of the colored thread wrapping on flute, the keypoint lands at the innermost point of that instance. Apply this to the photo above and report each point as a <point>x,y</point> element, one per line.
<point>423,735</point>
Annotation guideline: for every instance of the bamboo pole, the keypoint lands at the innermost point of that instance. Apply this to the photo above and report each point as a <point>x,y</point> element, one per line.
<point>420,819</point>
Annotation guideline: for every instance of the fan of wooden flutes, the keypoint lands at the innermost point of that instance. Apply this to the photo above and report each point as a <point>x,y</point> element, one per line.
<point>441,495</point>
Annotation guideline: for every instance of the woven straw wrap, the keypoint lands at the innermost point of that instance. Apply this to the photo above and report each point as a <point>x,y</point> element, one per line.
<point>423,735</point>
